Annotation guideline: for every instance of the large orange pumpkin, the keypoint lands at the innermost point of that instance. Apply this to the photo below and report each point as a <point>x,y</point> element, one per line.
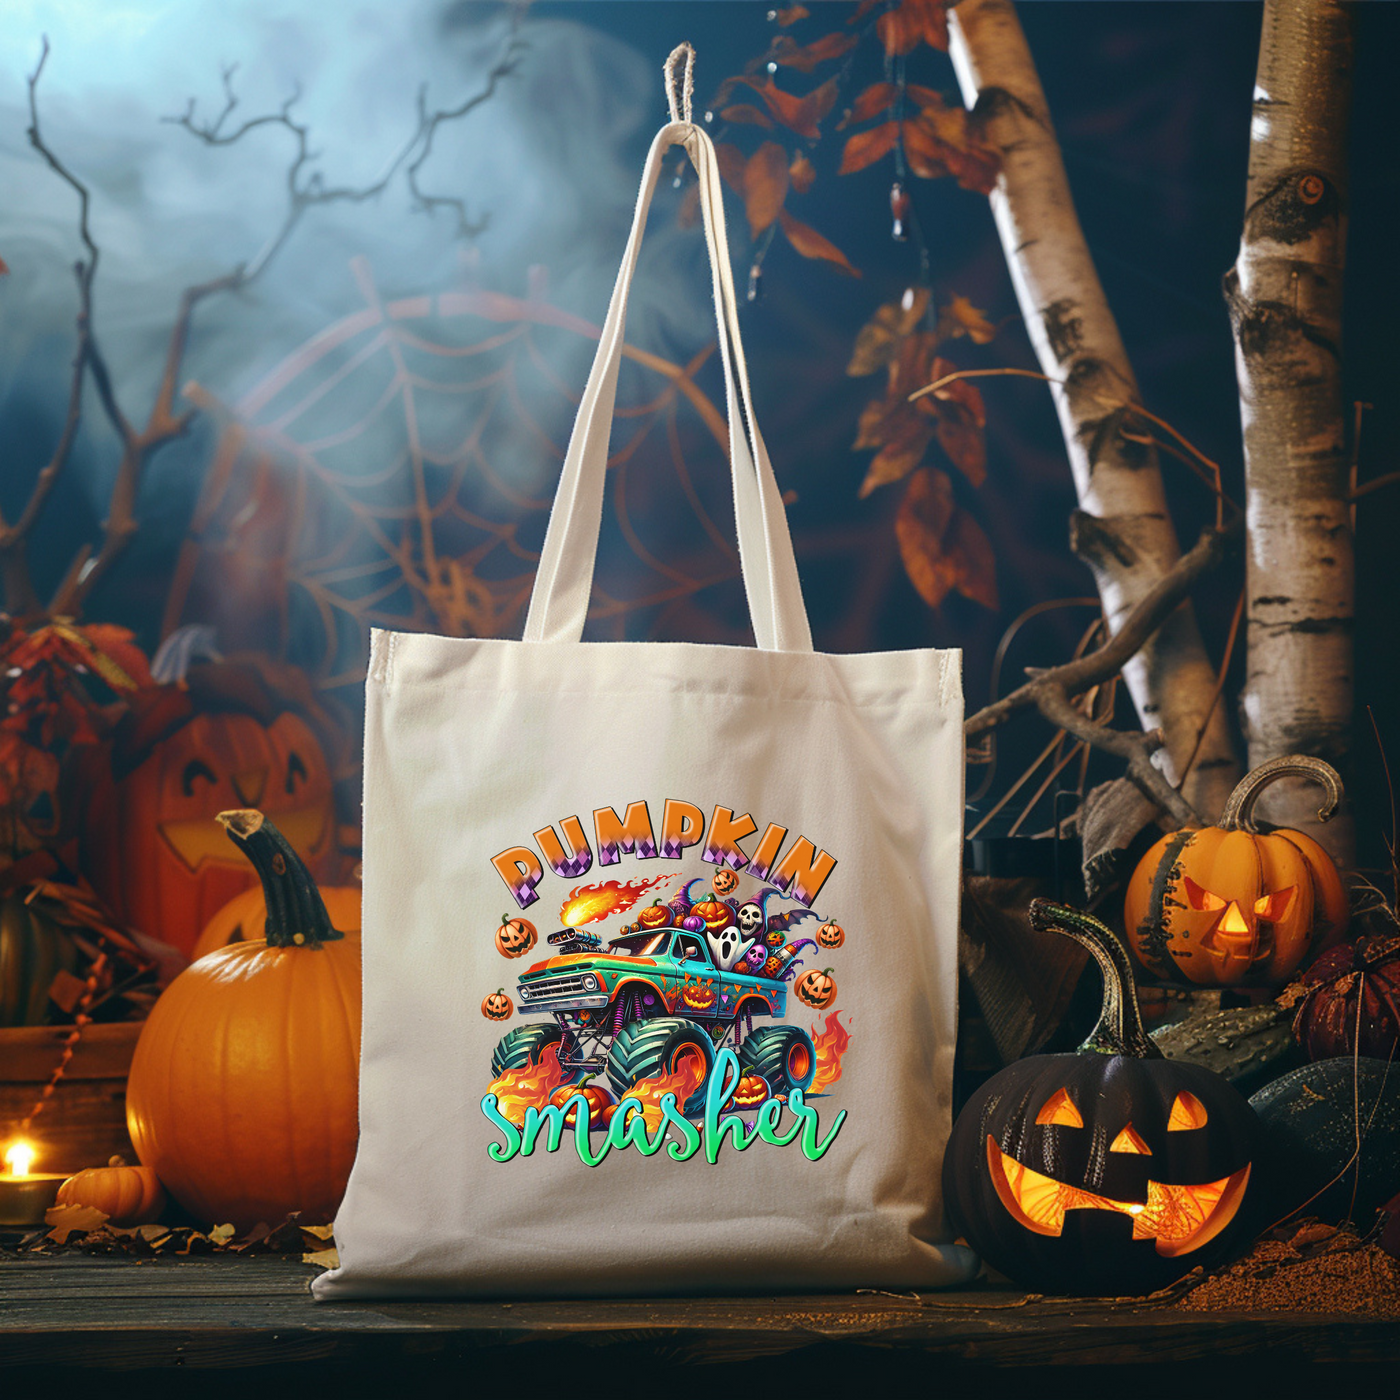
<point>225,738</point>
<point>243,1093</point>
<point>1229,904</point>
<point>125,1195</point>
<point>244,918</point>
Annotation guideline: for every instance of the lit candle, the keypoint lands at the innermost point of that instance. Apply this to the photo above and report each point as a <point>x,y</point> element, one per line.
<point>25,1195</point>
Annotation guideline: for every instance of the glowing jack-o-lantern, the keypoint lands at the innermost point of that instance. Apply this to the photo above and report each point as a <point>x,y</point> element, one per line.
<point>725,881</point>
<point>515,937</point>
<point>1228,904</point>
<point>1111,1171</point>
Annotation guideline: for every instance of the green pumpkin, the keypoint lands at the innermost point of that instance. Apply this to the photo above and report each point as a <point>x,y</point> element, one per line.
<point>33,950</point>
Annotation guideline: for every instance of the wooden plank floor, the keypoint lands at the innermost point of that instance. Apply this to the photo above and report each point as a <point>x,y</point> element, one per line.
<point>237,1312</point>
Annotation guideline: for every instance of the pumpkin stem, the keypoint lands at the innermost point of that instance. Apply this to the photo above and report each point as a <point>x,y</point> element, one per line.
<point>1239,806</point>
<point>1119,1030</point>
<point>296,913</point>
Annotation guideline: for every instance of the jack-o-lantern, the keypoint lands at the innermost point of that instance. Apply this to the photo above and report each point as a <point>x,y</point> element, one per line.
<point>515,937</point>
<point>831,934</point>
<point>1227,904</point>
<point>817,989</point>
<point>601,1104</point>
<point>497,1006</point>
<point>715,913</point>
<point>655,915</point>
<point>697,996</point>
<point>725,881</point>
<point>751,1091</point>
<point>1110,1171</point>
<point>231,735</point>
<point>34,949</point>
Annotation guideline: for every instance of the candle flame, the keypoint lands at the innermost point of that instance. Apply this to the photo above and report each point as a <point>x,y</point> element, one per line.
<point>19,1157</point>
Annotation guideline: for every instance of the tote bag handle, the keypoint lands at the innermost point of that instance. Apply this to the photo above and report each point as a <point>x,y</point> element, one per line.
<point>559,602</point>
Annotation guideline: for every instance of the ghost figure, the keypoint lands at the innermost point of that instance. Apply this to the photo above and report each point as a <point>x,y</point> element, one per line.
<point>728,945</point>
<point>751,919</point>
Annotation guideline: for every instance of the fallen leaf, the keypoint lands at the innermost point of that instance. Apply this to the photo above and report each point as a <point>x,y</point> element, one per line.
<point>746,112</point>
<point>878,339</point>
<point>877,98</point>
<point>222,1234</point>
<point>323,1258</point>
<point>866,147</point>
<point>801,173</point>
<point>800,114</point>
<point>765,185</point>
<point>965,319</point>
<point>943,548</point>
<point>790,14</point>
<point>812,244</point>
<point>1313,1232</point>
<point>787,54</point>
<point>320,1232</point>
<point>67,1220</point>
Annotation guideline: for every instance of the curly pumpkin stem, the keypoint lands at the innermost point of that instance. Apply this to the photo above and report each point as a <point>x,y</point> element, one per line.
<point>296,913</point>
<point>1119,1030</point>
<point>1239,806</point>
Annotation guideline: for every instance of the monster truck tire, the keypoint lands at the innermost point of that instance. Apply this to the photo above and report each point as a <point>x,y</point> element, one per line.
<point>651,1048</point>
<point>783,1055</point>
<point>523,1046</point>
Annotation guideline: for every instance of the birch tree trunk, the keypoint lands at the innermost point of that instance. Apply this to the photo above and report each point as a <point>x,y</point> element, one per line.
<point>1123,530</point>
<point>1285,298</point>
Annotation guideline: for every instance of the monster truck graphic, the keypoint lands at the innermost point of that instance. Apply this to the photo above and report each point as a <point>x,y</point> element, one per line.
<point>639,1007</point>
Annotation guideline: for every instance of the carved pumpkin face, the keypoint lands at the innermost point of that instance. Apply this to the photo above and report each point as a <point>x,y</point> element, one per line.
<point>725,881</point>
<point>515,937</point>
<point>497,1005</point>
<point>1227,905</point>
<point>831,934</point>
<point>601,1104</point>
<point>155,851</point>
<point>1101,1172</point>
<point>751,1091</point>
<point>698,996</point>
<point>715,914</point>
<point>655,915</point>
<point>817,989</point>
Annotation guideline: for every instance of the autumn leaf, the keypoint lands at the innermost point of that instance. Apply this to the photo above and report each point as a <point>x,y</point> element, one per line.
<point>788,55</point>
<point>68,1220</point>
<point>866,147</point>
<point>941,142</point>
<point>812,244</point>
<point>960,416</point>
<point>746,112</point>
<point>903,449</point>
<point>801,173</point>
<point>902,28</point>
<point>877,98</point>
<point>878,339</point>
<point>731,165</point>
<point>925,97</point>
<point>943,548</point>
<point>961,317</point>
<point>765,185</point>
<point>800,114</point>
<point>790,14</point>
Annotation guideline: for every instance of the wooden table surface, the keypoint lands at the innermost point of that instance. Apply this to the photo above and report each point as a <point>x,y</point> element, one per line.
<point>220,1312</point>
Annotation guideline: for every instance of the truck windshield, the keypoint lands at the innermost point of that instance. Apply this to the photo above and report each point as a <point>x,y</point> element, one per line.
<point>640,945</point>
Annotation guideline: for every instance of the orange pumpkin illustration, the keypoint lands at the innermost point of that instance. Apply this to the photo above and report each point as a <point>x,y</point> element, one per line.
<point>497,1005</point>
<point>752,1090</point>
<point>817,989</point>
<point>698,996</point>
<point>515,937</point>
<point>725,881</point>
<point>715,914</point>
<point>831,934</point>
<point>601,1104</point>
<point>655,915</point>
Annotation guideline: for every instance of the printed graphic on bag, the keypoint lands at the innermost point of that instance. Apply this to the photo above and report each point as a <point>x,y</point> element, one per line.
<point>647,1035</point>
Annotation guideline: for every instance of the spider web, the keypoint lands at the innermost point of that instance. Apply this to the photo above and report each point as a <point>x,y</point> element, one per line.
<point>397,471</point>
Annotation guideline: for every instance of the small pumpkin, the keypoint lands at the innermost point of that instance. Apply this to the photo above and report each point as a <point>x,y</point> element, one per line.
<point>815,988</point>
<point>1230,905</point>
<point>601,1104</point>
<point>715,913</point>
<point>515,937</point>
<point>243,1095</point>
<point>655,915</point>
<point>1349,1000</point>
<point>725,881</point>
<point>34,949</point>
<point>497,1006</point>
<point>125,1195</point>
<point>831,934</point>
<point>751,1091</point>
<point>244,918</point>
<point>693,923</point>
<point>1110,1171</point>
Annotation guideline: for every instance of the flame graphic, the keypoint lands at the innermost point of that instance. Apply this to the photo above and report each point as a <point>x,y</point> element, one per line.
<point>831,1042</point>
<point>588,903</point>
<point>683,1080</point>
<point>518,1089</point>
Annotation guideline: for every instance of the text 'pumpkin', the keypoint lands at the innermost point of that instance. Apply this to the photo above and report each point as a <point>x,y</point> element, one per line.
<point>1229,905</point>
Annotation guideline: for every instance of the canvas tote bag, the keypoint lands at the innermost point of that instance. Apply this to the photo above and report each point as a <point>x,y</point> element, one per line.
<point>786,1013</point>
